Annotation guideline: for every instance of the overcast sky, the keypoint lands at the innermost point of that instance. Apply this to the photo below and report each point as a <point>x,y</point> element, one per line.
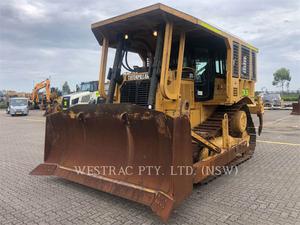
<point>42,38</point>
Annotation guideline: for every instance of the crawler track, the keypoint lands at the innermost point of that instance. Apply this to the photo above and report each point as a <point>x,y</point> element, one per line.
<point>212,128</point>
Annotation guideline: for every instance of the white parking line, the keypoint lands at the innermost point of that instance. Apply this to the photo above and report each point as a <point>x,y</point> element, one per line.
<point>29,119</point>
<point>278,143</point>
<point>277,132</point>
<point>278,120</point>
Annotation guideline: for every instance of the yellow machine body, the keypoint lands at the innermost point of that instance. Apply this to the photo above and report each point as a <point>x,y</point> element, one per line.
<point>187,106</point>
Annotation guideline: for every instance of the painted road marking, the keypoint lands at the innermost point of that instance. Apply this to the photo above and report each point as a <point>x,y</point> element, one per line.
<point>278,132</point>
<point>278,120</point>
<point>34,120</point>
<point>278,143</point>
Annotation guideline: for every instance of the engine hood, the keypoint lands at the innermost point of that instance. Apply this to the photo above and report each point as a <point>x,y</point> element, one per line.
<point>77,94</point>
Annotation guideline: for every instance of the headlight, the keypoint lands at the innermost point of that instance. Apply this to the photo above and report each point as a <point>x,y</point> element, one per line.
<point>75,101</point>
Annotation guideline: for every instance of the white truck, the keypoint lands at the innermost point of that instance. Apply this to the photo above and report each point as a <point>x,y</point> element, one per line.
<point>87,93</point>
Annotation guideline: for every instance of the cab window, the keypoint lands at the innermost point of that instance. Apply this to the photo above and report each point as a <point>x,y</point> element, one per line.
<point>201,68</point>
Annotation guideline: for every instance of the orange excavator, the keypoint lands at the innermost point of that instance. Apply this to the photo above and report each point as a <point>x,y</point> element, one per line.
<point>35,100</point>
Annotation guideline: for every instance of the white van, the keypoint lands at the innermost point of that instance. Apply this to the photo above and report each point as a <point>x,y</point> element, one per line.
<point>18,106</point>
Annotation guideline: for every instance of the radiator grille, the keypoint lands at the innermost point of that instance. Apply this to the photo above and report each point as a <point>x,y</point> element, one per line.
<point>85,99</point>
<point>235,59</point>
<point>235,92</point>
<point>245,62</point>
<point>135,92</point>
<point>253,66</point>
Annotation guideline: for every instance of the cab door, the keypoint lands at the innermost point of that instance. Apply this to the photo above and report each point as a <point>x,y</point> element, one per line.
<point>204,79</point>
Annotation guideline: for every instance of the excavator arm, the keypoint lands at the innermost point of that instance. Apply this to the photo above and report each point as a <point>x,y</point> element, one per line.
<point>44,84</point>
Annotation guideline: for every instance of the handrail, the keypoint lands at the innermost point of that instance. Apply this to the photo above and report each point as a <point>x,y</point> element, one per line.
<point>166,59</point>
<point>103,62</point>
<point>164,87</point>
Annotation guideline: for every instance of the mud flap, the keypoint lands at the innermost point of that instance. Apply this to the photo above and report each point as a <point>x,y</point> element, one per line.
<point>139,154</point>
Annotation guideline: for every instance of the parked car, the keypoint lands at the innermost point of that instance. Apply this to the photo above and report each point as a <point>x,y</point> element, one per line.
<point>18,106</point>
<point>272,101</point>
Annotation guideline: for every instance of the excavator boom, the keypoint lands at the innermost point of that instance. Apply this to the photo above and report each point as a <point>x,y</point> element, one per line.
<point>43,84</point>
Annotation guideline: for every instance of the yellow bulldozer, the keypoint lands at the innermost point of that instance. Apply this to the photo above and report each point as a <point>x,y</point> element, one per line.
<point>160,125</point>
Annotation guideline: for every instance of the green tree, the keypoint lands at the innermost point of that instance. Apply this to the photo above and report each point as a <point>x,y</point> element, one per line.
<point>66,88</point>
<point>281,78</point>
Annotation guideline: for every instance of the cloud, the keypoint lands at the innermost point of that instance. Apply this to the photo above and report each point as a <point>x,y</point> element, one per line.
<point>44,38</point>
<point>33,11</point>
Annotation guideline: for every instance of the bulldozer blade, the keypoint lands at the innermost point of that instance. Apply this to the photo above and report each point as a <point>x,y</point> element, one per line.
<point>123,149</point>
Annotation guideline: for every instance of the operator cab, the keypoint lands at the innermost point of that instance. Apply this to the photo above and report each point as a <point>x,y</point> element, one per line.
<point>204,61</point>
<point>158,46</point>
<point>89,86</point>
